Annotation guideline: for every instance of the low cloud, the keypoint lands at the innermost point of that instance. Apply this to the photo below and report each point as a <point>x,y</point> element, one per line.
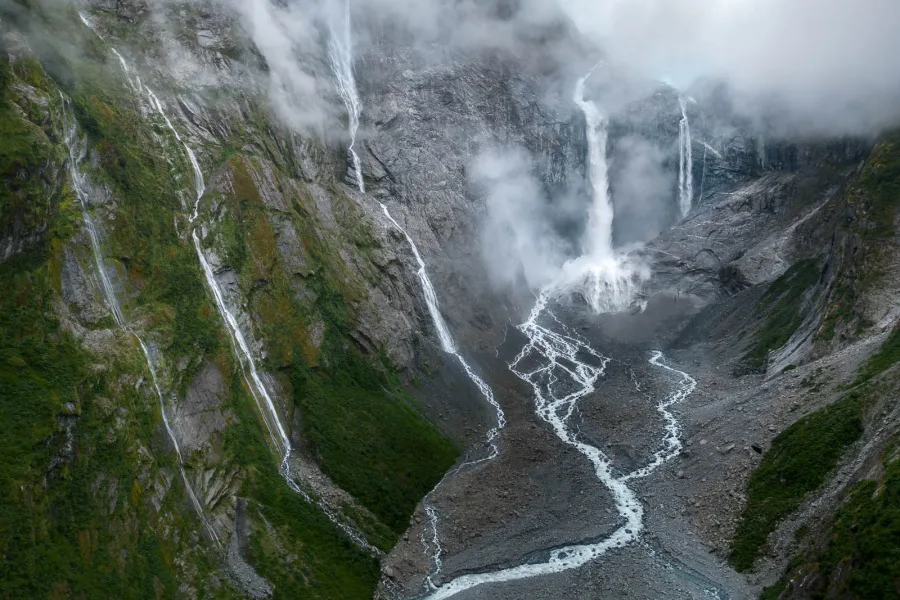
<point>831,66</point>
<point>642,191</point>
<point>517,238</point>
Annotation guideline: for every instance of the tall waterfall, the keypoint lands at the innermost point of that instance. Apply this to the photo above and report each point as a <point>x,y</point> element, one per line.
<point>77,149</point>
<point>686,162</point>
<point>608,282</point>
<point>340,53</point>
<point>340,50</point>
<point>598,239</point>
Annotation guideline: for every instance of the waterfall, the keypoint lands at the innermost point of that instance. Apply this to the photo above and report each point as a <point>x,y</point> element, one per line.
<point>340,51</point>
<point>600,216</point>
<point>607,282</point>
<point>703,176</point>
<point>562,368</point>
<point>686,162</point>
<point>446,339</point>
<point>77,150</point>
<point>448,346</point>
<point>761,152</point>
<point>340,54</point>
<point>261,396</point>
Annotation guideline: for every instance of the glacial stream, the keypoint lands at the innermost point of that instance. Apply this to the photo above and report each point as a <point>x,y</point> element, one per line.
<point>562,369</point>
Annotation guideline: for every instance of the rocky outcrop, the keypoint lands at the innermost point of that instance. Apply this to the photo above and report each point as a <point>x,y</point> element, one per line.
<point>201,416</point>
<point>424,126</point>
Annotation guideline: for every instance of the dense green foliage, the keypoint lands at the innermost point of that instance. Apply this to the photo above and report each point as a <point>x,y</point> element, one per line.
<point>886,357</point>
<point>365,437</point>
<point>781,306</point>
<point>866,536</point>
<point>311,558</point>
<point>75,486</point>
<point>55,535</point>
<point>359,424</point>
<point>799,461</point>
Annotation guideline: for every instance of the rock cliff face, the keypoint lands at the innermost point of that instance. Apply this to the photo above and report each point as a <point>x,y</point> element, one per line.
<point>322,287</point>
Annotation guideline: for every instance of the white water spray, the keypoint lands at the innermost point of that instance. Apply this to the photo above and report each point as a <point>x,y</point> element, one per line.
<point>686,162</point>
<point>340,53</point>
<point>77,150</point>
<point>608,282</point>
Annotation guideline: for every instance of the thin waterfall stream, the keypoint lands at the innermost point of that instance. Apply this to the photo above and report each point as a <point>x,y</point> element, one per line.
<point>77,150</point>
<point>686,161</point>
<point>262,397</point>
<point>340,50</point>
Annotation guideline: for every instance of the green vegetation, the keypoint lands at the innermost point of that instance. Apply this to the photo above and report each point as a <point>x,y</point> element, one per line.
<point>76,517</point>
<point>873,198</point>
<point>310,558</point>
<point>24,152</point>
<point>886,357</point>
<point>860,556</point>
<point>799,461</point>
<point>56,536</point>
<point>357,421</point>
<point>371,442</point>
<point>866,537</point>
<point>780,307</point>
<point>109,520</point>
<point>880,184</point>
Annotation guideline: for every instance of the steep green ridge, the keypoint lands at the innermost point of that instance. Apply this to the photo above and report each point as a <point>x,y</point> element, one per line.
<point>871,202</point>
<point>861,554</point>
<point>866,536</point>
<point>78,439</point>
<point>798,463</point>
<point>781,306</point>
<point>110,516</point>
<point>59,535</point>
<point>357,421</point>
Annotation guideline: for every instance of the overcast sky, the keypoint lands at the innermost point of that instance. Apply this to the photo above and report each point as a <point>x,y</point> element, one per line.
<point>834,61</point>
